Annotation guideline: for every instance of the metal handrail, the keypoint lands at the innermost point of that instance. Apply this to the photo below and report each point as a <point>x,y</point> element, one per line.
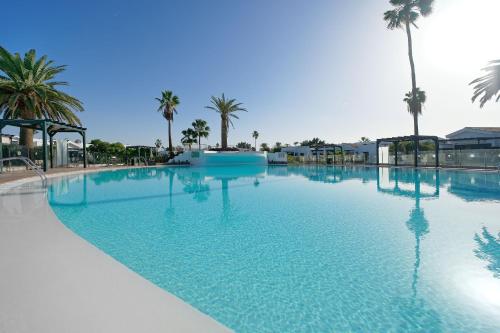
<point>29,163</point>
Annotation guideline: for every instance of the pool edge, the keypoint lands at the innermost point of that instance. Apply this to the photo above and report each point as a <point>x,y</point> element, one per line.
<point>55,281</point>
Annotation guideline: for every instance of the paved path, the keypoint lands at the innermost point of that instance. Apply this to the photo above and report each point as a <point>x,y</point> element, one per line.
<point>53,281</point>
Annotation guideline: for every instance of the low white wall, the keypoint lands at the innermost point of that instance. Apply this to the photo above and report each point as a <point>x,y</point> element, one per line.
<point>280,157</point>
<point>206,158</point>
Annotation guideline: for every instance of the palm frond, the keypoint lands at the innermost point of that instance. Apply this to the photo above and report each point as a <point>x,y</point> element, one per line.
<point>487,86</point>
<point>27,89</point>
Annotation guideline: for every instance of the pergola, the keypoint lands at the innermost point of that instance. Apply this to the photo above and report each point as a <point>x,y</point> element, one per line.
<point>413,138</point>
<point>48,128</point>
<point>139,148</point>
<point>326,148</point>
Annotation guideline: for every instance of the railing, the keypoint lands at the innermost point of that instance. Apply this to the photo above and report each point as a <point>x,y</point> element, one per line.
<point>29,164</point>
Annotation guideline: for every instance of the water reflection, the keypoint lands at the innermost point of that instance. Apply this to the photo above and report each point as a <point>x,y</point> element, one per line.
<point>407,183</point>
<point>415,187</point>
<point>489,250</point>
<point>195,183</point>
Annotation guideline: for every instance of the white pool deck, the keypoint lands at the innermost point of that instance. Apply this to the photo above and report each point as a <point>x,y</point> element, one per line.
<point>51,280</point>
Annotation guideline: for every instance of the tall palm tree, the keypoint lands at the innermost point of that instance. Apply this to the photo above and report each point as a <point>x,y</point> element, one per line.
<point>405,14</point>
<point>168,106</point>
<point>28,90</point>
<point>201,129</point>
<point>255,135</point>
<point>188,137</point>
<point>226,108</point>
<point>488,85</point>
<point>415,102</point>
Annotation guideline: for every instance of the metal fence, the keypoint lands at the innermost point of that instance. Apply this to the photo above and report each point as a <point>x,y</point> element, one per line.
<point>464,158</point>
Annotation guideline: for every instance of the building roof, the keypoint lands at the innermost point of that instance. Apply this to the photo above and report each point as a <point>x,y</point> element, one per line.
<point>490,130</point>
<point>486,129</point>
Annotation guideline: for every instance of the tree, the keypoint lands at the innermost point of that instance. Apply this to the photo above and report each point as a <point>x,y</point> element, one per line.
<point>102,150</point>
<point>296,143</point>
<point>116,149</point>
<point>364,139</point>
<point>158,145</point>
<point>405,14</point>
<point>201,129</point>
<point>226,108</point>
<point>168,106</point>
<point>488,85</point>
<point>313,142</point>
<point>29,90</point>
<point>264,147</point>
<point>244,145</point>
<point>277,147</point>
<point>415,102</point>
<point>255,135</point>
<point>189,137</point>
<point>98,146</point>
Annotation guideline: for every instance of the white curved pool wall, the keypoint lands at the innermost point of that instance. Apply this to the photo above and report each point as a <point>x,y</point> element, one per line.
<point>208,158</point>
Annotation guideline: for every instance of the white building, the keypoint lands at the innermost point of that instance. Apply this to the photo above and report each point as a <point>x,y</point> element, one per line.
<point>357,152</point>
<point>8,139</point>
<point>474,138</point>
<point>361,151</point>
<point>304,151</point>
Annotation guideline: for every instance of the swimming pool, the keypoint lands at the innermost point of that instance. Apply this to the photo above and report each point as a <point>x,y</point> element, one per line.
<point>303,249</point>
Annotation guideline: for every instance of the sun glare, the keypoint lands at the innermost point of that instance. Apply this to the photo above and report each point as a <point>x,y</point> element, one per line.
<point>462,35</point>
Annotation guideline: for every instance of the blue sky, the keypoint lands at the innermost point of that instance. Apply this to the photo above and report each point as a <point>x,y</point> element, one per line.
<point>321,68</point>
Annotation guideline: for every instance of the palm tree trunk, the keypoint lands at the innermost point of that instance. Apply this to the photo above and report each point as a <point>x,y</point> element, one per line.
<point>223,132</point>
<point>414,109</point>
<point>170,148</point>
<point>26,134</point>
<point>255,144</point>
<point>413,78</point>
<point>199,142</point>
<point>26,137</point>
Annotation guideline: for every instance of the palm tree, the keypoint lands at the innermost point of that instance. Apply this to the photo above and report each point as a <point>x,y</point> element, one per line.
<point>364,139</point>
<point>489,84</point>
<point>277,147</point>
<point>415,102</point>
<point>226,108</point>
<point>189,137</point>
<point>201,129</point>
<point>406,13</point>
<point>28,90</point>
<point>168,104</point>
<point>255,135</point>
<point>158,145</point>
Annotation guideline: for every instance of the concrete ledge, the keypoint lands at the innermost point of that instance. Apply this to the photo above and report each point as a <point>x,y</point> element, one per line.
<point>53,281</point>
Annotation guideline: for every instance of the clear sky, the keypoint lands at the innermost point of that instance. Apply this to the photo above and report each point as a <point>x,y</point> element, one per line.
<point>321,68</point>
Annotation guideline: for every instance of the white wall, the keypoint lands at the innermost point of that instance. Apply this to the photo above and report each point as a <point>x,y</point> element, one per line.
<point>297,150</point>
<point>280,157</point>
<point>206,158</point>
<point>383,155</point>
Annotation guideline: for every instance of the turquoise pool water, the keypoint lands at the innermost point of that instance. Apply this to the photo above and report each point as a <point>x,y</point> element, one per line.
<point>303,249</point>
